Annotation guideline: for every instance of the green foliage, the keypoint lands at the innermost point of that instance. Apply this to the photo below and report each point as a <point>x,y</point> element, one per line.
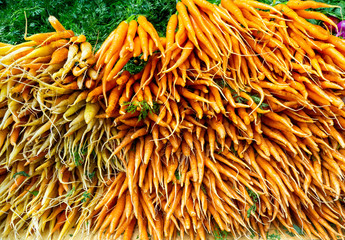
<point>86,195</point>
<point>221,83</point>
<point>218,234</point>
<point>273,2</point>
<point>135,65</point>
<point>256,98</point>
<point>252,233</point>
<point>203,188</point>
<point>35,193</point>
<point>298,229</point>
<point>273,236</point>
<point>144,107</point>
<point>78,155</point>
<point>177,174</point>
<point>255,197</point>
<point>217,2</point>
<point>21,173</point>
<point>290,233</point>
<point>251,210</point>
<point>91,175</point>
<point>70,193</point>
<point>93,18</point>
<point>337,12</point>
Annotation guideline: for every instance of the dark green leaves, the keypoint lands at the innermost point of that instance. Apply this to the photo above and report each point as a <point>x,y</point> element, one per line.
<point>144,108</point>
<point>70,193</point>
<point>256,98</point>
<point>86,196</point>
<point>218,234</point>
<point>78,155</point>
<point>255,197</point>
<point>252,233</point>
<point>35,193</point>
<point>22,173</point>
<point>217,2</point>
<point>91,175</point>
<point>95,19</point>
<point>298,229</point>
<point>135,65</point>
<point>251,210</point>
<point>273,2</point>
<point>203,188</point>
<point>273,236</point>
<point>337,12</point>
<point>222,83</point>
<point>177,175</point>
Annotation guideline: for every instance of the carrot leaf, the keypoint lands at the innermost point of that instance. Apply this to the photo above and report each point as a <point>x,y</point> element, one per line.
<point>144,107</point>
<point>250,210</point>
<point>252,233</point>
<point>135,65</point>
<point>78,155</point>
<point>218,234</point>
<point>70,193</point>
<point>91,175</point>
<point>21,173</point>
<point>86,195</point>
<point>203,188</point>
<point>298,229</point>
<point>273,236</point>
<point>177,175</point>
<point>255,197</point>
<point>35,193</point>
<point>217,2</point>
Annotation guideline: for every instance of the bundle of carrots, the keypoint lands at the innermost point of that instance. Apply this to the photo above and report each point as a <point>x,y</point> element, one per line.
<point>234,124</point>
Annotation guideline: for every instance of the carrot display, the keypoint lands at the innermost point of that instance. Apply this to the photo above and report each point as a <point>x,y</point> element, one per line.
<point>232,124</point>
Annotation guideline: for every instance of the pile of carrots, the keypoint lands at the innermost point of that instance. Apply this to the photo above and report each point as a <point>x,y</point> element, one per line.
<point>234,125</point>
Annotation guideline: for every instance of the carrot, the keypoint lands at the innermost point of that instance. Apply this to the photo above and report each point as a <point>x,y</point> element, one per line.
<point>61,219</point>
<point>101,53</point>
<point>181,8</point>
<point>15,135</point>
<point>151,31</point>
<point>129,230</point>
<point>56,24</point>
<point>119,37</point>
<point>312,29</point>
<point>302,5</point>
<point>86,50</point>
<point>194,11</point>
<point>59,55</point>
<point>118,67</point>
<point>317,16</point>
<point>170,36</point>
<point>132,29</point>
<point>114,99</point>
<point>236,11</point>
<point>191,95</point>
<point>114,217</point>
<point>187,50</point>
<point>78,39</point>
<point>203,39</point>
<point>144,43</point>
